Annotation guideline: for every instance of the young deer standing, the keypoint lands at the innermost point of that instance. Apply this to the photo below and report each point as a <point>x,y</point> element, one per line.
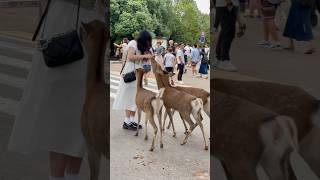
<point>151,104</point>
<point>186,105</point>
<point>94,118</point>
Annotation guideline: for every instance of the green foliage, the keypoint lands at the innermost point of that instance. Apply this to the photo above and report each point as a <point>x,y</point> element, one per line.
<point>179,19</point>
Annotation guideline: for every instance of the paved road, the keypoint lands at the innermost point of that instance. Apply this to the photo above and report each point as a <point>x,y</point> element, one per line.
<point>130,155</point>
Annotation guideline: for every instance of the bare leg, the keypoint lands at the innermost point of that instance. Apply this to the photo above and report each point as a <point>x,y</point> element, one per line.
<point>58,164</point>
<point>128,113</point>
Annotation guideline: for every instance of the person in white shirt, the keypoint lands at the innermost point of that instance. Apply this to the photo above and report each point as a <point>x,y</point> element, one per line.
<point>169,62</point>
<point>181,62</point>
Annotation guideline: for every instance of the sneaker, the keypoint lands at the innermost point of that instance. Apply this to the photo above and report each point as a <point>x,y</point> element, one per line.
<point>180,82</point>
<point>129,126</point>
<point>227,66</point>
<point>264,44</point>
<point>277,47</point>
<point>135,124</point>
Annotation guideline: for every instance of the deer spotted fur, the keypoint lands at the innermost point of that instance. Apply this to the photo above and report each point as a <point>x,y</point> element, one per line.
<point>94,118</point>
<point>245,134</point>
<point>286,100</point>
<point>151,104</point>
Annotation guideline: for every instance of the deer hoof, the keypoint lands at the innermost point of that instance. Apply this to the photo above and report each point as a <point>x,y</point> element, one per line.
<point>168,127</point>
<point>183,143</point>
<point>151,149</point>
<point>174,135</point>
<point>206,148</point>
<point>146,138</point>
<point>161,145</point>
<point>136,134</point>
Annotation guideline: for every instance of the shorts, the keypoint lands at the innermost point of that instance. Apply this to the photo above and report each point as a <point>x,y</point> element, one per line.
<point>193,63</point>
<point>147,68</point>
<point>268,10</point>
<point>169,69</point>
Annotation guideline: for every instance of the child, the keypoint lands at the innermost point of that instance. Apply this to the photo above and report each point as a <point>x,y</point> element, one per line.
<point>169,62</point>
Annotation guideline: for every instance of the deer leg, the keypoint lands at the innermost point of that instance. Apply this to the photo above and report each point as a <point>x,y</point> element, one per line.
<point>94,163</point>
<point>170,116</point>
<point>184,123</point>
<point>139,119</point>
<point>153,124</point>
<point>189,121</point>
<point>165,118</point>
<point>159,114</point>
<point>198,118</point>
<point>146,124</point>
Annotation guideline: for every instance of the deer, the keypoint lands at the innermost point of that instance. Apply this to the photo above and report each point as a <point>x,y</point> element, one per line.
<point>186,105</point>
<point>151,104</point>
<point>246,134</point>
<point>197,92</point>
<point>286,100</point>
<point>94,118</point>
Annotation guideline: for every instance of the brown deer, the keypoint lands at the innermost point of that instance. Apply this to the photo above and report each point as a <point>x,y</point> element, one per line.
<point>151,104</point>
<point>245,134</point>
<point>197,92</point>
<point>186,105</point>
<point>286,100</point>
<point>94,118</point>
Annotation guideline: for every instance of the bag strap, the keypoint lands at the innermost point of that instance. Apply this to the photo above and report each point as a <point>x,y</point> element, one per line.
<point>41,21</point>
<point>44,16</point>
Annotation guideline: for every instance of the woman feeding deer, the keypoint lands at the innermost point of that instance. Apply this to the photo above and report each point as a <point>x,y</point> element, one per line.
<point>138,50</point>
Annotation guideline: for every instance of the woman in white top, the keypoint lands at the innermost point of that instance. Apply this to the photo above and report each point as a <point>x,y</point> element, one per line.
<point>138,50</point>
<point>49,115</point>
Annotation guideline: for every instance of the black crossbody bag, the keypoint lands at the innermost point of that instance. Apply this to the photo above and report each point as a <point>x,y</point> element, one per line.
<point>130,76</point>
<point>63,48</point>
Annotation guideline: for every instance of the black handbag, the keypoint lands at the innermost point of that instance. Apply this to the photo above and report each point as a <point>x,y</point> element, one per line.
<point>130,76</point>
<point>63,48</point>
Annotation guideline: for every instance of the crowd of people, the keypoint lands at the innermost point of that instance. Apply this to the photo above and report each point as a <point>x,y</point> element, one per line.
<point>137,53</point>
<point>178,57</point>
<point>298,26</point>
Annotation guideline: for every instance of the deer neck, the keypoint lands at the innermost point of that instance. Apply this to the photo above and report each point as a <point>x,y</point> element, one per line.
<point>139,79</point>
<point>95,66</point>
<point>155,67</point>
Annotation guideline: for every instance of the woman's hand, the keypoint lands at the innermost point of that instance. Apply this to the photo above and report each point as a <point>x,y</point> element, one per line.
<point>148,56</point>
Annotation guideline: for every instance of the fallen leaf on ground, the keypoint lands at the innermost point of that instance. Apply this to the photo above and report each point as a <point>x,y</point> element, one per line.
<point>201,174</point>
<point>138,156</point>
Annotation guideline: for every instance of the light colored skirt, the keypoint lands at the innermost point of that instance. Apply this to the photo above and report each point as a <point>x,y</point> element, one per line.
<point>126,93</point>
<point>49,115</point>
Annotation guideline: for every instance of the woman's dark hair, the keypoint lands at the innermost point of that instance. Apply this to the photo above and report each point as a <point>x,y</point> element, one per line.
<point>144,41</point>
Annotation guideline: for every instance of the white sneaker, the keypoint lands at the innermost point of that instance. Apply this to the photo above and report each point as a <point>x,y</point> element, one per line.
<point>227,66</point>
<point>265,44</point>
<point>276,46</point>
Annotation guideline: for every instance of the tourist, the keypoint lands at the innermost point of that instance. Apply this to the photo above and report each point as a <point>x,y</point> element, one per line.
<point>299,26</point>
<point>227,12</point>
<point>269,8</point>
<point>125,98</point>
<point>195,58</point>
<point>203,70</point>
<point>181,62</point>
<point>169,63</point>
